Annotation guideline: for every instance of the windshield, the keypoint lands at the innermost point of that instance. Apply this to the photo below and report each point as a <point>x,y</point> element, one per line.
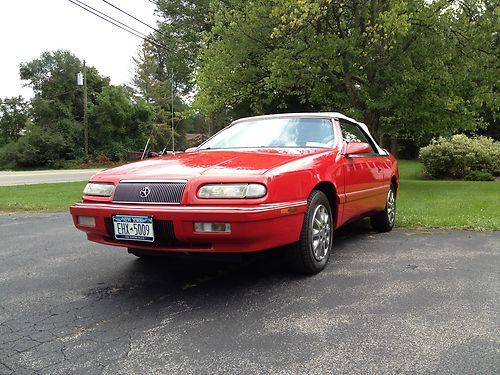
<point>275,132</point>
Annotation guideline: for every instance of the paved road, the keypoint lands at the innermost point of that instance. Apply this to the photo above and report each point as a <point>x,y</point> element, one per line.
<point>404,302</point>
<point>41,177</point>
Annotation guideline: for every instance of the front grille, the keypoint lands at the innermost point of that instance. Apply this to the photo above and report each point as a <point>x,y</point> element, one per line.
<point>149,192</point>
<point>163,229</point>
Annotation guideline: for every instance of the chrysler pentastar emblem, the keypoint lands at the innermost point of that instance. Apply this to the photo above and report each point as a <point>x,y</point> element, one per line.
<point>145,192</point>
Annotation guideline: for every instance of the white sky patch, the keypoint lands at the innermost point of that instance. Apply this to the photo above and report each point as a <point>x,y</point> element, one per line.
<point>30,27</point>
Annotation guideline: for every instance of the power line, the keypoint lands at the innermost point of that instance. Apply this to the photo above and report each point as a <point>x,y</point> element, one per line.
<point>134,32</point>
<point>131,16</point>
<point>82,4</point>
<point>119,24</point>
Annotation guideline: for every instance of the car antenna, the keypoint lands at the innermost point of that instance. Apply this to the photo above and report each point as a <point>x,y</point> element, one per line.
<point>145,148</point>
<point>172,109</point>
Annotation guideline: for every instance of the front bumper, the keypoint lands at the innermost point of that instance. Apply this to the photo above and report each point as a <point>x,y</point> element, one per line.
<point>253,228</point>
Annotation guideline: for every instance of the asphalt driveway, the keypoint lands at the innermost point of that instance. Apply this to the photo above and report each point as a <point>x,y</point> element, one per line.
<point>409,301</point>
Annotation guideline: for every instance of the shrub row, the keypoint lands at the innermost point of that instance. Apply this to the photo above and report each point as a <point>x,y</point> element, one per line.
<point>459,156</point>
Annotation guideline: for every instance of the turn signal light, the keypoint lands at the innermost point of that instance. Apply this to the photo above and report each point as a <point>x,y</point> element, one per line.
<point>212,227</point>
<point>88,221</point>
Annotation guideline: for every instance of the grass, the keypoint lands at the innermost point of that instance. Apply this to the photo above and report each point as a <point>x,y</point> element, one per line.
<point>446,204</point>
<point>421,203</point>
<point>40,197</point>
<point>409,170</point>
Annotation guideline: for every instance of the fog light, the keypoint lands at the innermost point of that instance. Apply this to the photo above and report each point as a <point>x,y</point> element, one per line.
<point>212,227</point>
<point>88,221</point>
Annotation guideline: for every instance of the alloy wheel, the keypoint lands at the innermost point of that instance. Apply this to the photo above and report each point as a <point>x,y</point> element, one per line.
<point>321,235</point>
<point>391,207</point>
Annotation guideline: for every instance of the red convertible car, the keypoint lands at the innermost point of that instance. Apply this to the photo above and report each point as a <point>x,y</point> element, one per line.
<point>260,183</point>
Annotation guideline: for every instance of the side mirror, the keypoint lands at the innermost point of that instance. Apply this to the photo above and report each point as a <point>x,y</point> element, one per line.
<point>357,148</point>
<point>191,149</point>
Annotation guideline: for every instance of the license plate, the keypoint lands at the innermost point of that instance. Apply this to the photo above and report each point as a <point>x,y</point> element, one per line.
<point>133,228</point>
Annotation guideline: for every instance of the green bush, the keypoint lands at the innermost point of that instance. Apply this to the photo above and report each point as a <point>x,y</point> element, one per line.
<point>37,148</point>
<point>7,153</point>
<point>115,151</point>
<point>458,156</point>
<point>479,176</point>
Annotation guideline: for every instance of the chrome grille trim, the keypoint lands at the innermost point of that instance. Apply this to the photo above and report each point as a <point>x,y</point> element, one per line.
<point>160,191</point>
<point>154,180</point>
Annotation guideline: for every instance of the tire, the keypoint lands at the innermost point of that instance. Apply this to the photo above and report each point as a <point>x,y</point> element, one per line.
<point>384,221</point>
<point>313,250</point>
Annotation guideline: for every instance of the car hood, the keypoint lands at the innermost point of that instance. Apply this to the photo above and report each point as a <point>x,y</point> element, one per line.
<point>206,162</point>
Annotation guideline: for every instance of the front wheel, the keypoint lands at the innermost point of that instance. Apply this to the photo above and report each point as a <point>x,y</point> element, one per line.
<point>384,221</point>
<point>313,249</point>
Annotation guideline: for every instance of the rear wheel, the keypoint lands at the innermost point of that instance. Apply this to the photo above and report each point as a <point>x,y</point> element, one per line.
<point>384,221</point>
<point>313,249</point>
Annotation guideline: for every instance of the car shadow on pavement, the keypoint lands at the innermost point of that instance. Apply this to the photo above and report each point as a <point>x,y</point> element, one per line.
<point>159,276</point>
<point>262,263</point>
<point>143,292</point>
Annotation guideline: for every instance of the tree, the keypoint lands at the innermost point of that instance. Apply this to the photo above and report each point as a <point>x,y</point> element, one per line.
<point>408,69</point>
<point>158,68</point>
<point>153,83</point>
<point>14,117</point>
<point>58,102</point>
<point>119,123</point>
<point>183,25</point>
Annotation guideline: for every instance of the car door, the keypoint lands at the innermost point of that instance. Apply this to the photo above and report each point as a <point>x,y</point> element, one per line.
<point>365,180</point>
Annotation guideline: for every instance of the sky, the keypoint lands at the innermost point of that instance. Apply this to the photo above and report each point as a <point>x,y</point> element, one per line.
<point>30,27</point>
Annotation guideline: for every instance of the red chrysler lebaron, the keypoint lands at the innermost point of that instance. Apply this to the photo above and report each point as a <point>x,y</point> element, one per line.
<point>261,182</point>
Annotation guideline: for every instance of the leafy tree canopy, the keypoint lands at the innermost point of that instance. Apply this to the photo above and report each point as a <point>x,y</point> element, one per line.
<point>118,122</point>
<point>409,69</point>
<point>13,118</point>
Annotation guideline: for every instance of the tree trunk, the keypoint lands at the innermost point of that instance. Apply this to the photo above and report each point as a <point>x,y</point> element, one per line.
<point>372,120</point>
<point>394,146</point>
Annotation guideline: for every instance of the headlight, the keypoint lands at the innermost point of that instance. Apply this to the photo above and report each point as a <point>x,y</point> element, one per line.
<point>100,189</point>
<point>232,191</point>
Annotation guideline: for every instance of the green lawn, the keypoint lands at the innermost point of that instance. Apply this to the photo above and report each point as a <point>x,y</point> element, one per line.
<point>409,169</point>
<point>446,204</point>
<point>40,197</point>
<point>421,203</point>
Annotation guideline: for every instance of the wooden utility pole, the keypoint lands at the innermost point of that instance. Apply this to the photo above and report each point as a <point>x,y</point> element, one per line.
<point>85,113</point>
